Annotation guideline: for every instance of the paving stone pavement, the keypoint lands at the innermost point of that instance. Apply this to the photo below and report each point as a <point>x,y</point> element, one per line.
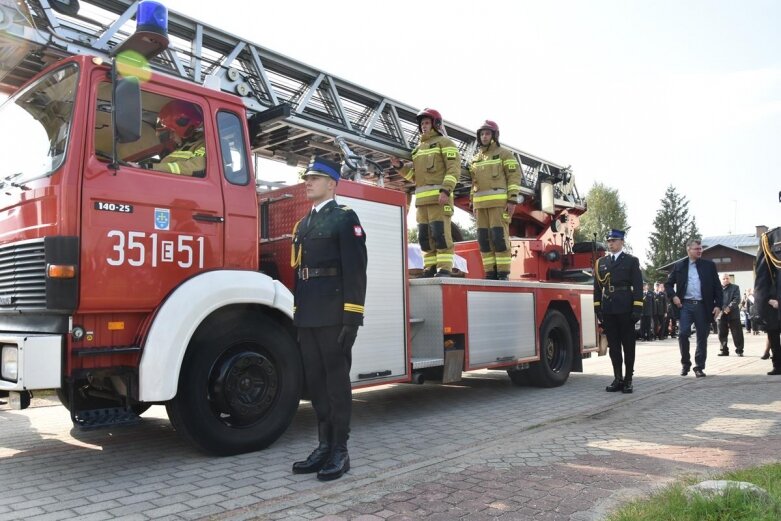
<point>482,449</point>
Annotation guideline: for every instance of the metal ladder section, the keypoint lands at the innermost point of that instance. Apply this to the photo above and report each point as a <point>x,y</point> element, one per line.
<point>296,110</point>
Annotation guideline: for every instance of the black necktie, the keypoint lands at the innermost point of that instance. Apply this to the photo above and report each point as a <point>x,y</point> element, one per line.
<point>311,217</point>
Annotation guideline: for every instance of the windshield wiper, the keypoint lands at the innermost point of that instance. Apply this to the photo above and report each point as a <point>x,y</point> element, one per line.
<point>9,182</point>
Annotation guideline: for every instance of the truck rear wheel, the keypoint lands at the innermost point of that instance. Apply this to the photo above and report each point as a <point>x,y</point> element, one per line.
<point>556,352</point>
<point>239,387</point>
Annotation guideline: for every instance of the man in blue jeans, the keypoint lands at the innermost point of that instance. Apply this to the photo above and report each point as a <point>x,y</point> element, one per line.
<point>693,286</point>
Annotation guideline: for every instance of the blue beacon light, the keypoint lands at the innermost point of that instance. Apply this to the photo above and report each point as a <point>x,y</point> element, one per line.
<point>151,36</point>
<point>152,17</point>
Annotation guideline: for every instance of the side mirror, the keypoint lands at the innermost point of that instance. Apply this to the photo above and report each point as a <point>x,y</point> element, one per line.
<point>127,110</point>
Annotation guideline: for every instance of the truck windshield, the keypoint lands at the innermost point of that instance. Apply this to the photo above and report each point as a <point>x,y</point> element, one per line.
<point>35,125</point>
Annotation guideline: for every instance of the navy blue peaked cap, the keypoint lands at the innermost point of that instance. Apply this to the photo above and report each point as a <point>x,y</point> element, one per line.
<point>324,167</point>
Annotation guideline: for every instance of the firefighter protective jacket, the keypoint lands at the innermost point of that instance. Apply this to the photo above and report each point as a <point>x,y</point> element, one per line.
<point>329,252</point>
<point>436,165</point>
<point>189,159</point>
<point>496,177</point>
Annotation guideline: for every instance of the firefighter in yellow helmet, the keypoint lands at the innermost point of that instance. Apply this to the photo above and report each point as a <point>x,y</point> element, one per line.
<point>436,165</point>
<point>185,121</point>
<point>496,181</point>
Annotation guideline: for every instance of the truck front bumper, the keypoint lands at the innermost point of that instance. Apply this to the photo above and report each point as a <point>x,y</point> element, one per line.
<point>29,362</point>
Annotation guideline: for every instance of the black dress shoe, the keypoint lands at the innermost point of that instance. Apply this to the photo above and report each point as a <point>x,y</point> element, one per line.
<point>627,389</point>
<point>765,356</point>
<point>723,353</point>
<point>775,371</point>
<point>699,374</point>
<point>739,354</point>
<point>336,466</point>
<point>684,371</point>
<point>314,462</point>
<point>616,386</point>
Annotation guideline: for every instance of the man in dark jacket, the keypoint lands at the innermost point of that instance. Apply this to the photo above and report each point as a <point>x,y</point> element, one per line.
<point>767,291</point>
<point>648,313</point>
<point>730,317</point>
<point>618,303</point>
<point>329,252</point>
<point>693,286</point>
<point>660,310</point>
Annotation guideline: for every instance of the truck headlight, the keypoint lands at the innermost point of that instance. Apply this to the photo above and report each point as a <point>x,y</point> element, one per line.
<point>9,363</point>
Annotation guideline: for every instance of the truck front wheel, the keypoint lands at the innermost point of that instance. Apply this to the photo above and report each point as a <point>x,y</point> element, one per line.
<point>556,352</point>
<point>239,387</point>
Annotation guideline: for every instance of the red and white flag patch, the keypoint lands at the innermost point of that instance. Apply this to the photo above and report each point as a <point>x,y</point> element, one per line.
<point>357,230</point>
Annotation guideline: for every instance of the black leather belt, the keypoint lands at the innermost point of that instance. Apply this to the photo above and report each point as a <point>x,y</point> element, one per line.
<point>309,273</point>
<point>693,301</point>
<point>611,289</point>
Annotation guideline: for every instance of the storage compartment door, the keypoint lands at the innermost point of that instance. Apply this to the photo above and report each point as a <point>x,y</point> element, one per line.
<point>501,327</point>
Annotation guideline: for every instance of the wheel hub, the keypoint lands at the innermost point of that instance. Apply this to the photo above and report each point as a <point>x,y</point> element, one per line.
<point>244,387</point>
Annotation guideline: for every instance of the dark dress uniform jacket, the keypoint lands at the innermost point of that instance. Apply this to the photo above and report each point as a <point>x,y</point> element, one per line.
<point>660,304</point>
<point>648,304</point>
<point>332,243</point>
<point>767,281</point>
<point>618,285</point>
<point>710,286</point>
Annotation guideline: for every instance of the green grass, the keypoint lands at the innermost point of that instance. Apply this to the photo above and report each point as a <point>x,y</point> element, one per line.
<point>671,503</point>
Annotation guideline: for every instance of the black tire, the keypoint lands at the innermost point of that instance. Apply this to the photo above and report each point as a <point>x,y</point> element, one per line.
<point>239,387</point>
<point>90,402</point>
<point>556,352</point>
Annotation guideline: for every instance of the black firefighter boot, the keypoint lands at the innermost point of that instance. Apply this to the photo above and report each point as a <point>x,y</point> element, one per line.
<point>490,275</point>
<point>617,385</point>
<point>627,389</point>
<point>428,272</point>
<point>339,463</point>
<point>320,455</point>
<point>502,275</point>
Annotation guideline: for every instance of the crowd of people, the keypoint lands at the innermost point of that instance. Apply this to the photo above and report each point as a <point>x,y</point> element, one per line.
<point>693,300</point>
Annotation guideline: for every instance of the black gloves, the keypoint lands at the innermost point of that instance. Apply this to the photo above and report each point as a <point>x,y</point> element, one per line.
<point>599,316</point>
<point>347,336</point>
<point>636,314</point>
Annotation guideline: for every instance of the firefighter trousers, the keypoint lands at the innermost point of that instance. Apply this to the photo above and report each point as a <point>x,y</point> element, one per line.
<point>435,236</point>
<point>493,238</point>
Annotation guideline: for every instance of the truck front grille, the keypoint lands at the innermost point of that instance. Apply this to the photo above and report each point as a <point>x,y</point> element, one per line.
<point>23,276</point>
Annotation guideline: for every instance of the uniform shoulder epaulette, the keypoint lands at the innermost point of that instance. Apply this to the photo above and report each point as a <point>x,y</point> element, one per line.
<point>344,207</point>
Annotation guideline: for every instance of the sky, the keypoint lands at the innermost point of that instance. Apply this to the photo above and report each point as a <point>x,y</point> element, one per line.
<point>637,95</point>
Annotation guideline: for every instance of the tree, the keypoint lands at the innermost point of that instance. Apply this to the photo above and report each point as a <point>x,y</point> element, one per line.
<point>673,227</point>
<point>605,212</point>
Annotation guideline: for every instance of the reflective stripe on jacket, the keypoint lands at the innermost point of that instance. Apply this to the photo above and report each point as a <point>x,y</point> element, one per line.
<point>190,160</point>
<point>436,165</point>
<point>496,177</point>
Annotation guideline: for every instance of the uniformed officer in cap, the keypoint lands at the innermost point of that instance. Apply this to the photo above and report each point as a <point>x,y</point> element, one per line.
<point>618,303</point>
<point>329,254</point>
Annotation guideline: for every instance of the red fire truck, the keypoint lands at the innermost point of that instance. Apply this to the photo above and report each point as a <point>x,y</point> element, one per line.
<point>122,286</point>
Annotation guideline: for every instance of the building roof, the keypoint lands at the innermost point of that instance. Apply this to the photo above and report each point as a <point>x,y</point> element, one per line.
<point>743,240</point>
<point>668,267</point>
